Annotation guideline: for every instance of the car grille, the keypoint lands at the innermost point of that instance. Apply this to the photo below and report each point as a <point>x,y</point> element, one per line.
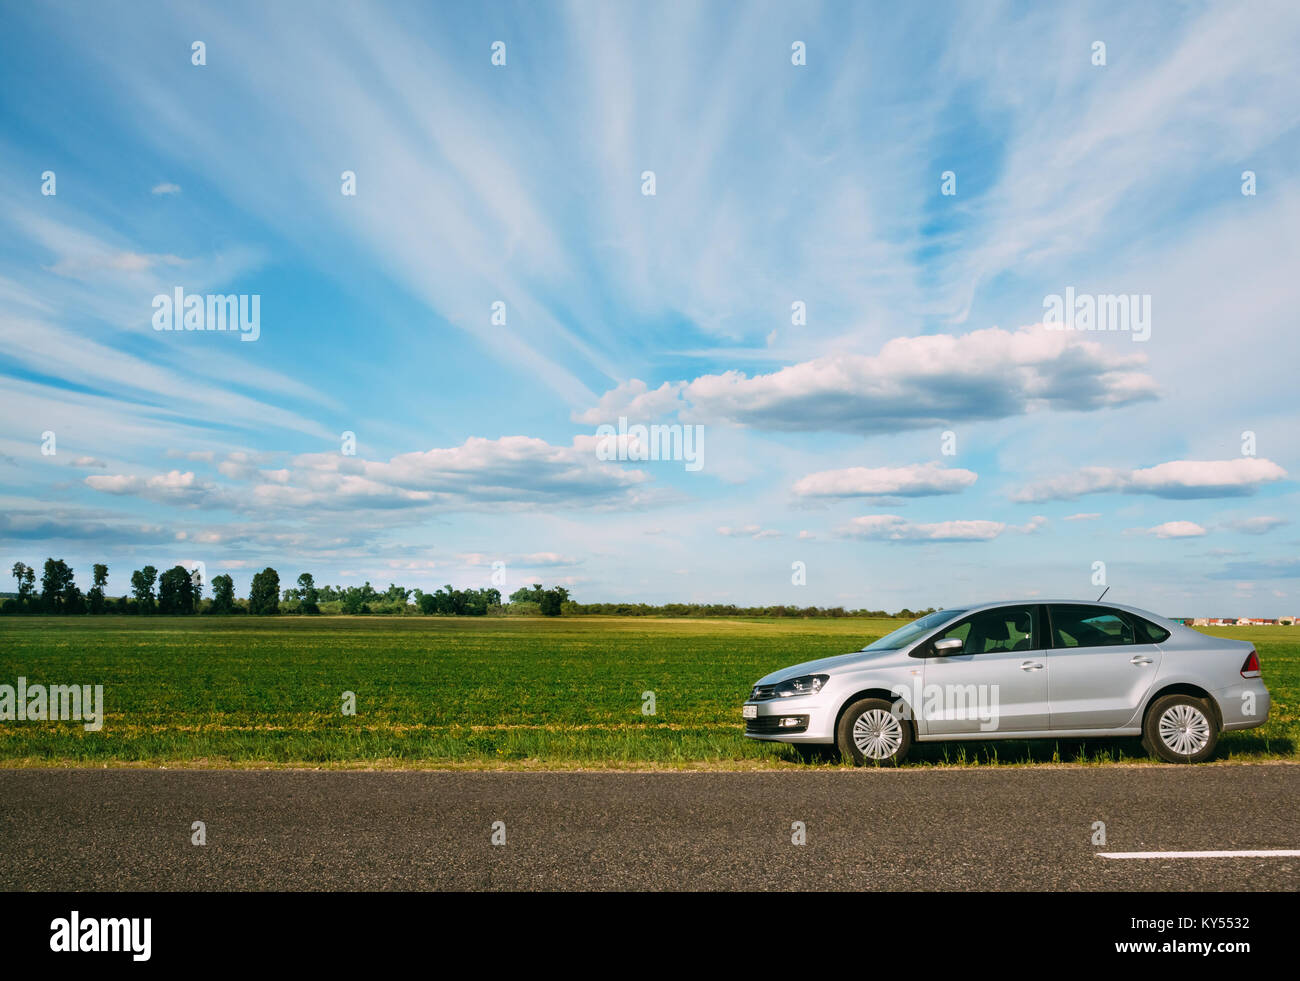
<point>766,725</point>
<point>762,693</point>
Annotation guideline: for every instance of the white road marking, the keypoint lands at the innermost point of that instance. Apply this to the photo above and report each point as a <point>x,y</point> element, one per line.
<point>1258,853</point>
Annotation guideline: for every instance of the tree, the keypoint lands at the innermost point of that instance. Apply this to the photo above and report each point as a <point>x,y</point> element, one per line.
<point>58,591</point>
<point>264,593</point>
<point>553,601</point>
<point>142,581</point>
<point>26,578</point>
<point>73,601</point>
<point>307,594</point>
<point>528,594</point>
<point>357,599</point>
<point>176,591</point>
<point>96,594</point>
<point>223,595</point>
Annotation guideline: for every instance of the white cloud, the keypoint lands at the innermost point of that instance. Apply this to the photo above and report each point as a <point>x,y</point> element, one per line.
<point>634,400</point>
<point>242,465</point>
<point>165,188</point>
<point>1177,529</point>
<point>173,487</point>
<point>917,382</point>
<point>914,480</point>
<point>513,471</point>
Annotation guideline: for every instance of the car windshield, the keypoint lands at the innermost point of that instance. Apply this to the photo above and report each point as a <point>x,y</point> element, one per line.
<point>903,636</point>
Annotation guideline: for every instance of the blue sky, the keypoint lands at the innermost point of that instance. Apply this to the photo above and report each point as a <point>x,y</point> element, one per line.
<point>775,184</point>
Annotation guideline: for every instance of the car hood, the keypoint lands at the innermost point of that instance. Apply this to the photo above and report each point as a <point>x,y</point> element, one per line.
<point>831,665</point>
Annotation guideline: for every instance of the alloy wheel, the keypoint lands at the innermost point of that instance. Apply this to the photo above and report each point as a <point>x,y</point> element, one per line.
<point>877,734</point>
<point>1184,729</point>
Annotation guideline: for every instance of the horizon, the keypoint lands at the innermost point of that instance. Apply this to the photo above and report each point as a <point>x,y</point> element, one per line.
<point>287,585</point>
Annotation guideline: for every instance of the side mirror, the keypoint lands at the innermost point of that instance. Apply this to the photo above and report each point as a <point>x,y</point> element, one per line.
<point>939,648</point>
<point>946,647</point>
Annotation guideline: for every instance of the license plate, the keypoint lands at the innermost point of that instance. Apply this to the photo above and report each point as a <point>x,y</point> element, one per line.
<point>749,712</point>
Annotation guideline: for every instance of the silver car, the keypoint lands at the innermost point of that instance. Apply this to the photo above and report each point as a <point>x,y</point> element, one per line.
<point>1026,670</point>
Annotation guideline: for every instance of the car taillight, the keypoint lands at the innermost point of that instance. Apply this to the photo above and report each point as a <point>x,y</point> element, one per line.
<point>1250,669</point>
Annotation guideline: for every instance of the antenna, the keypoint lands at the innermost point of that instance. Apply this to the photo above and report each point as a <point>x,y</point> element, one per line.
<point>1103,594</point>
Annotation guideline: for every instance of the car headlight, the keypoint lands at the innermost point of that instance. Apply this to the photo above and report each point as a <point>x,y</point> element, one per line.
<point>808,684</point>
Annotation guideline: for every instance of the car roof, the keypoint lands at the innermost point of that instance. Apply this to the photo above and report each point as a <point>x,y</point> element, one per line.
<point>974,607</point>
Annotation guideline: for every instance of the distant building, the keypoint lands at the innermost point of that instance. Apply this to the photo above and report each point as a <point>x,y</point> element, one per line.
<point>1237,621</point>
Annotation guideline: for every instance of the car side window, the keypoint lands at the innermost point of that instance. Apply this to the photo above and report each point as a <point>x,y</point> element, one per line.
<point>1090,626</point>
<point>1148,632</point>
<point>1008,628</point>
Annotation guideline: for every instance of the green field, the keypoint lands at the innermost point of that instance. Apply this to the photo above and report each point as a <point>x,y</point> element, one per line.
<point>477,692</point>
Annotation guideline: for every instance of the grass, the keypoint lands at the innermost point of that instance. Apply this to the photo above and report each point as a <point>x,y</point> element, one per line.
<point>479,692</point>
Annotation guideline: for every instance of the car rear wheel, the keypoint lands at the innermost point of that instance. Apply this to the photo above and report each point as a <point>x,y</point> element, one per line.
<point>1181,729</point>
<point>871,732</point>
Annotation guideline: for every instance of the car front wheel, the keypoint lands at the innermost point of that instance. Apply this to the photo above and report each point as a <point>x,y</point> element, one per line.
<point>871,732</point>
<point>1181,729</point>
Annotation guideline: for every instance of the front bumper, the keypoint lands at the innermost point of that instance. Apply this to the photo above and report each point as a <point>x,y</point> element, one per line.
<point>802,719</point>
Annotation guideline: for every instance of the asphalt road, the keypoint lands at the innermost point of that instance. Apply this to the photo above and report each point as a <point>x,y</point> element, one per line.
<point>1002,829</point>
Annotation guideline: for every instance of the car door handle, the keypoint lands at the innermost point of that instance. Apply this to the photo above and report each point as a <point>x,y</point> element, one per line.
<point>1139,659</point>
<point>1031,666</point>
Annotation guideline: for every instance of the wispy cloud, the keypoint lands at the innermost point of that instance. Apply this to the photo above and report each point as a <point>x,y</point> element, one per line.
<point>892,528</point>
<point>748,531</point>
<point>1260,525</point>
<point>1176,479</point>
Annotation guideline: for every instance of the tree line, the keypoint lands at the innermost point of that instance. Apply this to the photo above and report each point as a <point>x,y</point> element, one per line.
<point>179,590</point>
<point>731,610</point>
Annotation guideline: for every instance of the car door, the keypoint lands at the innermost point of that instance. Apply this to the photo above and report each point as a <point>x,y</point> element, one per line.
<point>998,683</point>
<point>1099,670</point>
